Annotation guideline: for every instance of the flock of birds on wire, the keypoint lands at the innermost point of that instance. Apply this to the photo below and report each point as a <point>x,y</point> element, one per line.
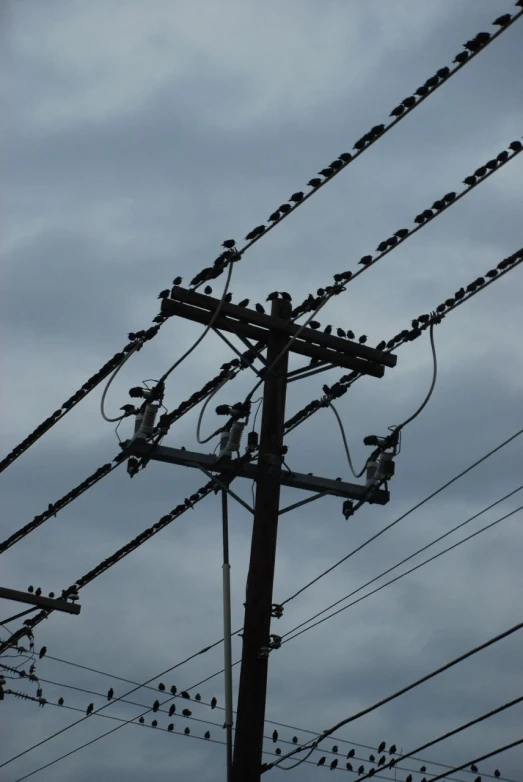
<point>382,759</point>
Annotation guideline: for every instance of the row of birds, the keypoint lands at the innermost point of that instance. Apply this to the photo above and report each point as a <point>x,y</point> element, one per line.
<point>231,253</point>
<point>407,335</point>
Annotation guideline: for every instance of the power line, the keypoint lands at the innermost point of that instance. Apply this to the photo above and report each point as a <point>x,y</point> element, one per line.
<point>404,515</point>
<point>411,556</point>
<point>339,388</point>
<point>402,691</point>
<point>478,760</point>
<point>453,732</point>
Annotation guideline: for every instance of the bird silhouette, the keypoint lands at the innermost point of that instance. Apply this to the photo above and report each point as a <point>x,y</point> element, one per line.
<point>38,591</point>
<point>154,723</point>
<point>272,296</point>
<point>361,770</point>
<point>90,709</point>
<point>348,766</point>
<point>392,749</point>
<point>296,197</point>
<point>156,705</point>
<point>207,734</point>
<point>438,205</point>
<point>295,739</point>
<point>174,690</point>
<point>422,769</point>
<point>177,281</point>
<point>197,697</point>
<point>335,749</point>
<point>243,303</point>
<point>228,243</point>
<point>515,146</point>
<point>461,57</point>
<point>372,758</point>
<point>285,296</point>
<point>491,165</point>
<point>345,156</point>
<point>337,165</point>
<point>381,761</point>
<point>258,231</point>
<point>351,753</point>
<point>275,736</point>
<point>161,687</point>
<point>503,156</point>
<point>327,330</point>
<point>469,180</point>
<point>172,710</point>
<point>227,298</point>
<point>30,589</point>
<point>366,260</point>
<point>362,339</point>
<point>42,652</point>
<point>164,294</point>
<point>60,701</point>
<point>187,731</point>
<point>350,334</point>
<point>314,182</point>
<point>402,233</point>
<point>170,726</point>
<point>409,778</point>
<point>381,346</point>
<point>207,290</point>
<point>285,208</point>
<point>502,21</point>
<point>333,764</point>
<point>397,111</point>
<point>110,694</point>
<point>473,768</point>
<point>382,246</point>
<point>213,703</point>
<point>497,773</point>
<point>409,102</point>
<point>478,779</point>
<point>340,333</point>
<point>480,172</point>
<point>449,197</point>
<point>278,751</point>
<point>321,761</point>
<point>274,216</point>
<point>326,172</point>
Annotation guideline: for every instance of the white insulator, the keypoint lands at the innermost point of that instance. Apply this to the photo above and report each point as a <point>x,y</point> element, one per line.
<point>386,467</point>
<point>138,421</point>
<point>224,439</point>
<point>372,468</point>
<point>147,425</point>
<point>235,437</point>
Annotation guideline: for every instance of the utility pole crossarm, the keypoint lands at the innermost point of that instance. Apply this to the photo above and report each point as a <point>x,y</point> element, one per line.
<point>295,480</point>
<point>39,600</point>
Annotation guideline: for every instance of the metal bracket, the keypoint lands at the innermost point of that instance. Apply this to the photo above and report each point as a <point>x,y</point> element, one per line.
<point>276,611</point>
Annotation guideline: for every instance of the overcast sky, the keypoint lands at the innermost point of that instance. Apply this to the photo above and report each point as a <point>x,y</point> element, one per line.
<point>139,136</point>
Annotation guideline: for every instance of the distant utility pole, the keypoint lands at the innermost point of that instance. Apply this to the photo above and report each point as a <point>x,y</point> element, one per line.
<point>275,331</point>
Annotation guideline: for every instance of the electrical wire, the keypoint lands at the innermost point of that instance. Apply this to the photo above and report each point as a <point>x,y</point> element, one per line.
<point>346,445</point>
<point>479,760</point>
<point>108,385</point>
<point>397,578</point>
<point>202,412</point>
<point>407,513</point>
<point>409,335</point>
<point>415,553</point>
<point>438,671</point>
<point>205,331</point>
<point>453,732</point>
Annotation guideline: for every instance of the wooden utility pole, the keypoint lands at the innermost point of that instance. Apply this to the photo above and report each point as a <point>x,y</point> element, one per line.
<point>281,336</point>
<point>248,744</point>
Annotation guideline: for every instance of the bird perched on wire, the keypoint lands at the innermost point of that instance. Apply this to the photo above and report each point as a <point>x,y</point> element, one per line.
<point>197,697</point>
<point>207,735</point>
<point>515,146</point>
<point>333,764</point>
<point>397,111</point>
<point>326,172</point>
<point>172,709</point>
<point>156,705</point>
<point>382,246</point>
<point>285,208</point>
<point>186,712</point>
<point>275,736</point>
<point>314,182</point>
<point>110,694</point>
<point>90,709</point>
<point>60,701</point>
<point>296,197</point>
<point>321,761</point>
<point>402,233</point>
<point>173,690</point>
<point>275,216</point>
<point>258,231</point>
<point>187,731</point>
<point>42,652</point>
<point>366,260</point>
<point>154,723</point>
